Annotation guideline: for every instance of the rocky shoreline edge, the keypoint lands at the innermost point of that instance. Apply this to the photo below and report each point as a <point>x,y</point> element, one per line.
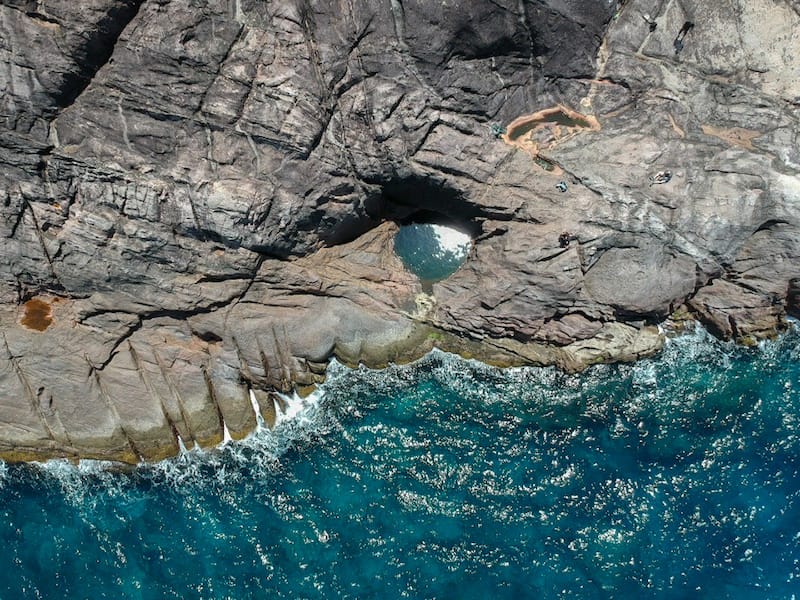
<point>199,199</point>
<point>625,346</point>
<point>205,415</point>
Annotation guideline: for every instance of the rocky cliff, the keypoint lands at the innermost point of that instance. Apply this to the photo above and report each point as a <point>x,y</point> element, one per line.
<point>198,198</point>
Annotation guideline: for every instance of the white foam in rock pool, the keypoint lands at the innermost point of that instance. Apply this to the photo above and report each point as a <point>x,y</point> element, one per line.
<point>452,240</point>
<point>433,252</point>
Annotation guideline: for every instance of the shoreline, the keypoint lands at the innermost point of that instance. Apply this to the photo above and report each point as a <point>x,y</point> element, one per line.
<point>480,480</point>
<point>186,220</point>
<point>287,407</point>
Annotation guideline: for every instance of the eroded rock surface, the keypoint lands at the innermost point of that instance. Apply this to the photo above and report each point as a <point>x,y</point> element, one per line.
<point>200,197</point>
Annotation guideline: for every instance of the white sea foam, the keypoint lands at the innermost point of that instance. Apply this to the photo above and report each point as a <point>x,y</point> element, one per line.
<point>181,446</point>
<point>260,452</point>
<point>297,408</point>
<point>72,478</point>
<point>256,408</point>
<point>452,240</point>
<point>62,467</point>
<point>306,420</point>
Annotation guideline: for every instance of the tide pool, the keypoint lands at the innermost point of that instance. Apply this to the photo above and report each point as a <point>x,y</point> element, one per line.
<point>676,477</point>
<point>432,252</point>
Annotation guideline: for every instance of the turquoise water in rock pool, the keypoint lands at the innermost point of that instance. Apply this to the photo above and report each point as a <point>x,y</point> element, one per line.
<point>432,252</point>
<point>676,477</point>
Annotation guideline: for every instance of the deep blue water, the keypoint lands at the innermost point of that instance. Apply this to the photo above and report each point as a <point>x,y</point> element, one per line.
<point>676,477</point>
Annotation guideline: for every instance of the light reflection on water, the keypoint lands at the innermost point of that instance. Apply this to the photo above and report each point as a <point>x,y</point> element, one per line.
<point>673,477</point>
<point>432,252</point>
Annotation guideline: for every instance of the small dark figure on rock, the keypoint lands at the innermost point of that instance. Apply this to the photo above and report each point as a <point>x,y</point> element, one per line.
<point>561,186</point>
<point>660,177</point>
<point>564,239</point>
<point>678,43</point>
<point>651,23</point>
<point>497,130</point>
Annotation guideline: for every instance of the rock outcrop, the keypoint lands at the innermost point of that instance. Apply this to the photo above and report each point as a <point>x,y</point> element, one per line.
<point>198,199</point>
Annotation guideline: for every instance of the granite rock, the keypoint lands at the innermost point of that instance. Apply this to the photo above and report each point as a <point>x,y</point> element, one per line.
<point>202,196</point>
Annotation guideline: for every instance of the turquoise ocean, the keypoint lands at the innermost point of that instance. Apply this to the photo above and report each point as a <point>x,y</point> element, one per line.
<point>675,477</point>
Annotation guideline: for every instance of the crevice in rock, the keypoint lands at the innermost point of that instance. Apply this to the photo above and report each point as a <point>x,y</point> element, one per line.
<point>771,224</point>
<point>97,51</point>
<point>213,396</point>
<point>574,176</point>
<point>736,279</point>
<point>200,112</point>
<point>40,236</point>
<point>17,221</point>
<point>263,356</point>
<point>613,81</point>
<point>94,373</point>
<point>244,366</point>
<point>165,374</point>
<point>152,392</point>
<point>34,14</point>
<point>307,24</point>
<point>209,337</point>
<point>283,354</point>
<point>26,386</point>
<point>179,315</point>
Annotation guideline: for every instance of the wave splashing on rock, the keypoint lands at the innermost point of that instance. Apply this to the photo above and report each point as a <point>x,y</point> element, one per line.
<point>674,476</point>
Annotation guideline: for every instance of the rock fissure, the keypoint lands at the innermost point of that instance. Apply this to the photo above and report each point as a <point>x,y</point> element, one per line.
<point>164,370</point>
<point>94,374</point>
<point>153,393</point>
<point>98,49</point>
<point>212,395</point>
<point>28,391</point>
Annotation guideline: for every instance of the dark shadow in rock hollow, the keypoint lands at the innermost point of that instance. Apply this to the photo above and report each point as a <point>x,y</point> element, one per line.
<point>420,199</point>
<point>411,199</point>
<point>97,51</point>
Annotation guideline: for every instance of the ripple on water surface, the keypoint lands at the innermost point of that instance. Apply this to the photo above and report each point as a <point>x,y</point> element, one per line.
<point>673,477</point>
<point>433,252</point>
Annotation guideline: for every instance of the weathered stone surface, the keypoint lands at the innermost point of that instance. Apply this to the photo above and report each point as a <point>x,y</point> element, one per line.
<point>733,312</point>
<point>793,298</point>
<point>203,196</point>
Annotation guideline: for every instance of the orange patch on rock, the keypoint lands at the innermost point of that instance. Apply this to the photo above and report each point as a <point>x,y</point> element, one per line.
<point>735,136</point>
<point>559,119</point>
<point>38,315</point>
<point>543,129</point>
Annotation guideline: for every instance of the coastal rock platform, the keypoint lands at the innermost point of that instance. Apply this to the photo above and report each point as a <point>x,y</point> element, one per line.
<point>198,200</point>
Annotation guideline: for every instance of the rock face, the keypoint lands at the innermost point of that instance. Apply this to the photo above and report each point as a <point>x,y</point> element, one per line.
<point>198,199</point>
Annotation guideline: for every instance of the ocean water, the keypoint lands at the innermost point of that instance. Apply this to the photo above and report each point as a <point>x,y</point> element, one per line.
<point>676,477</point>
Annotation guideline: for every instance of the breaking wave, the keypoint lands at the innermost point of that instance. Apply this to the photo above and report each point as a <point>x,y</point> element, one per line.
<point>677,476</point>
